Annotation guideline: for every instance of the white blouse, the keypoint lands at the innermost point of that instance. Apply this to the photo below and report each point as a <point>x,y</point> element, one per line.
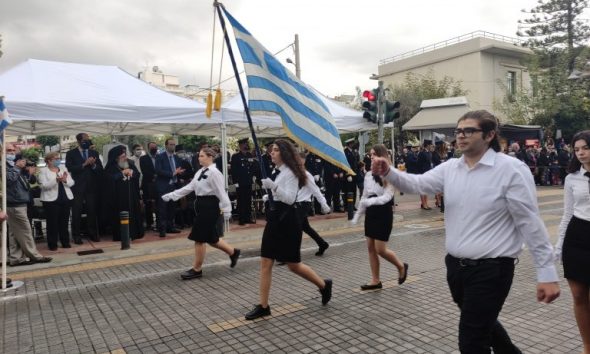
<point>47,180</point>
<point>207,181</point>
<point>383,193</point>
<point>286,186</point>
<point>310,189</point>
<point>576,202</point>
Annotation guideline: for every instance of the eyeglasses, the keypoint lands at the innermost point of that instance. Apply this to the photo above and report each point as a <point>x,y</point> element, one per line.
<point>467,132</point>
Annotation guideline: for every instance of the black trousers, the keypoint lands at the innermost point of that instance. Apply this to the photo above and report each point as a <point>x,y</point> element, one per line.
<point>91,220</point>
<point>166,212</point>
<point>149,202</point>
<point>57,217</point>
<point>333,188</point>
<point>480,289</point>
<point>306,227</point>
<point>244,194</point>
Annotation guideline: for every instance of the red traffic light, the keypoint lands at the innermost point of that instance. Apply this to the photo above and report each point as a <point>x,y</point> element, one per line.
<point>369,95</point>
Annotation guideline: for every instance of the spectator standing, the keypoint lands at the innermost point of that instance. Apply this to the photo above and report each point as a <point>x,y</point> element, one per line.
<point>56,196</point>
<point>168,168</point>
<point>22,248</point>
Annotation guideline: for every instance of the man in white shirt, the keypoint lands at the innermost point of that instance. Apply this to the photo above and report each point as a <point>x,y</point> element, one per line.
<point>490,211</point>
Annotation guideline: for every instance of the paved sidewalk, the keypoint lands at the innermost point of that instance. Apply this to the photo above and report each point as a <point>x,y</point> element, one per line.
<point>144,307</point>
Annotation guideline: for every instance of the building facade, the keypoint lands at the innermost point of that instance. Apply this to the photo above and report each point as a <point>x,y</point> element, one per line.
<point>489,66</point>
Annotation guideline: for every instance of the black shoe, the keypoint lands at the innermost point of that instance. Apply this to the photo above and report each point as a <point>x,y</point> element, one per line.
<point>8,283</point>
<point>402,280</point>
<point>326,291</point>
<point>323,248</point>
<point>41,260</point>
<point>78,241</point>
<point>281,263</point>
<point>67,245</point>
<point>162,234</point>
<point>234,257</point>
<point>191,274</point>
<point>379,285</point>
<point>54,248</point>
<point>257,312</point>
<point>241,223</point>
<point>173,231</point>
<point>95,238</point>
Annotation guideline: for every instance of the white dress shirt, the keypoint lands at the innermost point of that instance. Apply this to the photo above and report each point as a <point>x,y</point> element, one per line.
<point>47,180</point>
<point>490,209</point>
<point>384,194</point>
<point>310,189</point>
<point>576,202</point>
<point>211,185</point>
<point>286,186</point>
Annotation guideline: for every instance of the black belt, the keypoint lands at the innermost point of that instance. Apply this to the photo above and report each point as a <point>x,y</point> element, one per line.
<point>207,197</point>
<point>466,262</point>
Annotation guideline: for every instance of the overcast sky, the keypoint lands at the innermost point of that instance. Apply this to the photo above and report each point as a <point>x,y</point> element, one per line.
<point>341,41</point>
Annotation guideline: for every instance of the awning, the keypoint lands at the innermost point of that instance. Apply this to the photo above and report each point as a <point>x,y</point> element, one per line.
<point>436,118</point>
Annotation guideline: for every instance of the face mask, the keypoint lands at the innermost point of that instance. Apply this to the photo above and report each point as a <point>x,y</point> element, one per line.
<point>138,153</point>
<point>181,155</point>
<point>56,163</point>
<point>154,151</point>
<point>85,144</point>
<point>123,164</point>
<point>10,157</point>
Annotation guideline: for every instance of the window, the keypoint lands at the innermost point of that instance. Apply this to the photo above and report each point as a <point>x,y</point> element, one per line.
<point>511,84</point>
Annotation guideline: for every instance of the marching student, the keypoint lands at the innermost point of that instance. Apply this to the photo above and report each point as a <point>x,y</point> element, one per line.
<point>573,233</point>
<point>377,204</point>
<point>281,239</point>
<point>212,200</point>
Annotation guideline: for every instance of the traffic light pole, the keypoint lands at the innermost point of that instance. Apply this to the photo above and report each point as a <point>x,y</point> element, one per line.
<point>380,112</point>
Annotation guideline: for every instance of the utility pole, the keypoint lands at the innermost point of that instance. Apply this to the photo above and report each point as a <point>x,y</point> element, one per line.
<point>380,112</point>
<point>297,59</point>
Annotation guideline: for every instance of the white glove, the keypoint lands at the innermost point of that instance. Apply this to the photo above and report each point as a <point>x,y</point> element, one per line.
<point>349,178</point>
<point>316,178</point>
<point>265,198</point>
<point>166,197</point>
<point>326,209</point>
<point>237,185</point>
<point>227,216</point>
<point>268,183</point>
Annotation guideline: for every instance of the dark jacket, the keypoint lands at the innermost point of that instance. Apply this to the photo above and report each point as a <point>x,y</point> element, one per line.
<point>86,178</point>
<point>164,173</point>
<point>148,169</point>
<point>17,187</point>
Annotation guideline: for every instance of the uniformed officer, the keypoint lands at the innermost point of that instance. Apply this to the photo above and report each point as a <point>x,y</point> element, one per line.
<point>242,172</point>
<point>333,177</point>
<point>315,166</point>
<point>353,161</point>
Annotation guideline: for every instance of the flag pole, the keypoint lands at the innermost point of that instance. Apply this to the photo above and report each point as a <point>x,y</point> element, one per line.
<point>218,5</point>
<point>4,243</point>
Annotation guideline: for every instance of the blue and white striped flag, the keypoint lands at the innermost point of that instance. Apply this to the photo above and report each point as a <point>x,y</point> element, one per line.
<point>4,118</point>
<point>273,88</point>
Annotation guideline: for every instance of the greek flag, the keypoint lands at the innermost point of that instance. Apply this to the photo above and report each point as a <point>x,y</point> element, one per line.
<point>273,88</point>
<point>4,118</point>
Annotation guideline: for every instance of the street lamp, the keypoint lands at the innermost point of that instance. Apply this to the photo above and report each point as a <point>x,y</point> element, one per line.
<point>297,61</point>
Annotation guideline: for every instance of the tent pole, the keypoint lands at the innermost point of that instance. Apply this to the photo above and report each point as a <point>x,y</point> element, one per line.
<point>4,243</point>
<point>218,5</point>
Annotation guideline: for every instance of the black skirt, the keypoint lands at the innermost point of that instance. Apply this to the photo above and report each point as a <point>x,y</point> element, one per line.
<point>281,239</point>
<point>379,221</point>
<point>206,222</point>
<point>576,251</point>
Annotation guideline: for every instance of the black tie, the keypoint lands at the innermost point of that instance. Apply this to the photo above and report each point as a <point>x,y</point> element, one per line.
<point>203,175</point>
<point>274,174</point>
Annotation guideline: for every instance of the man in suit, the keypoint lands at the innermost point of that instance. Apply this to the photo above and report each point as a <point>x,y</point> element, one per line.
<point>147,164</point>
<point>168,167</point>
<point>350,181</point>
<point>86,169</point>
<point>241,173</point>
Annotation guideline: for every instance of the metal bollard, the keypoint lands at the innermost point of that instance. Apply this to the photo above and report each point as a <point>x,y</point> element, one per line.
<point>350,205</point>
<point>124,220</point>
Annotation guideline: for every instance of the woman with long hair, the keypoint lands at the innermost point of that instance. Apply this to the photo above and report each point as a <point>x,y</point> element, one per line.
<point>377,205</point>
<point>281,239</point>
<point>212,203</point>
<point>573,244</point>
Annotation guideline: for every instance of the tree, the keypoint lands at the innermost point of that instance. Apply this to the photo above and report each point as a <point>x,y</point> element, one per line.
<point>47,140</point>
<point>556,24</point>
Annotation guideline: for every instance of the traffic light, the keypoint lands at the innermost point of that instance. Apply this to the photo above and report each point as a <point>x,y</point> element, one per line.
<point>391,111</point>
<point>370,105</point>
